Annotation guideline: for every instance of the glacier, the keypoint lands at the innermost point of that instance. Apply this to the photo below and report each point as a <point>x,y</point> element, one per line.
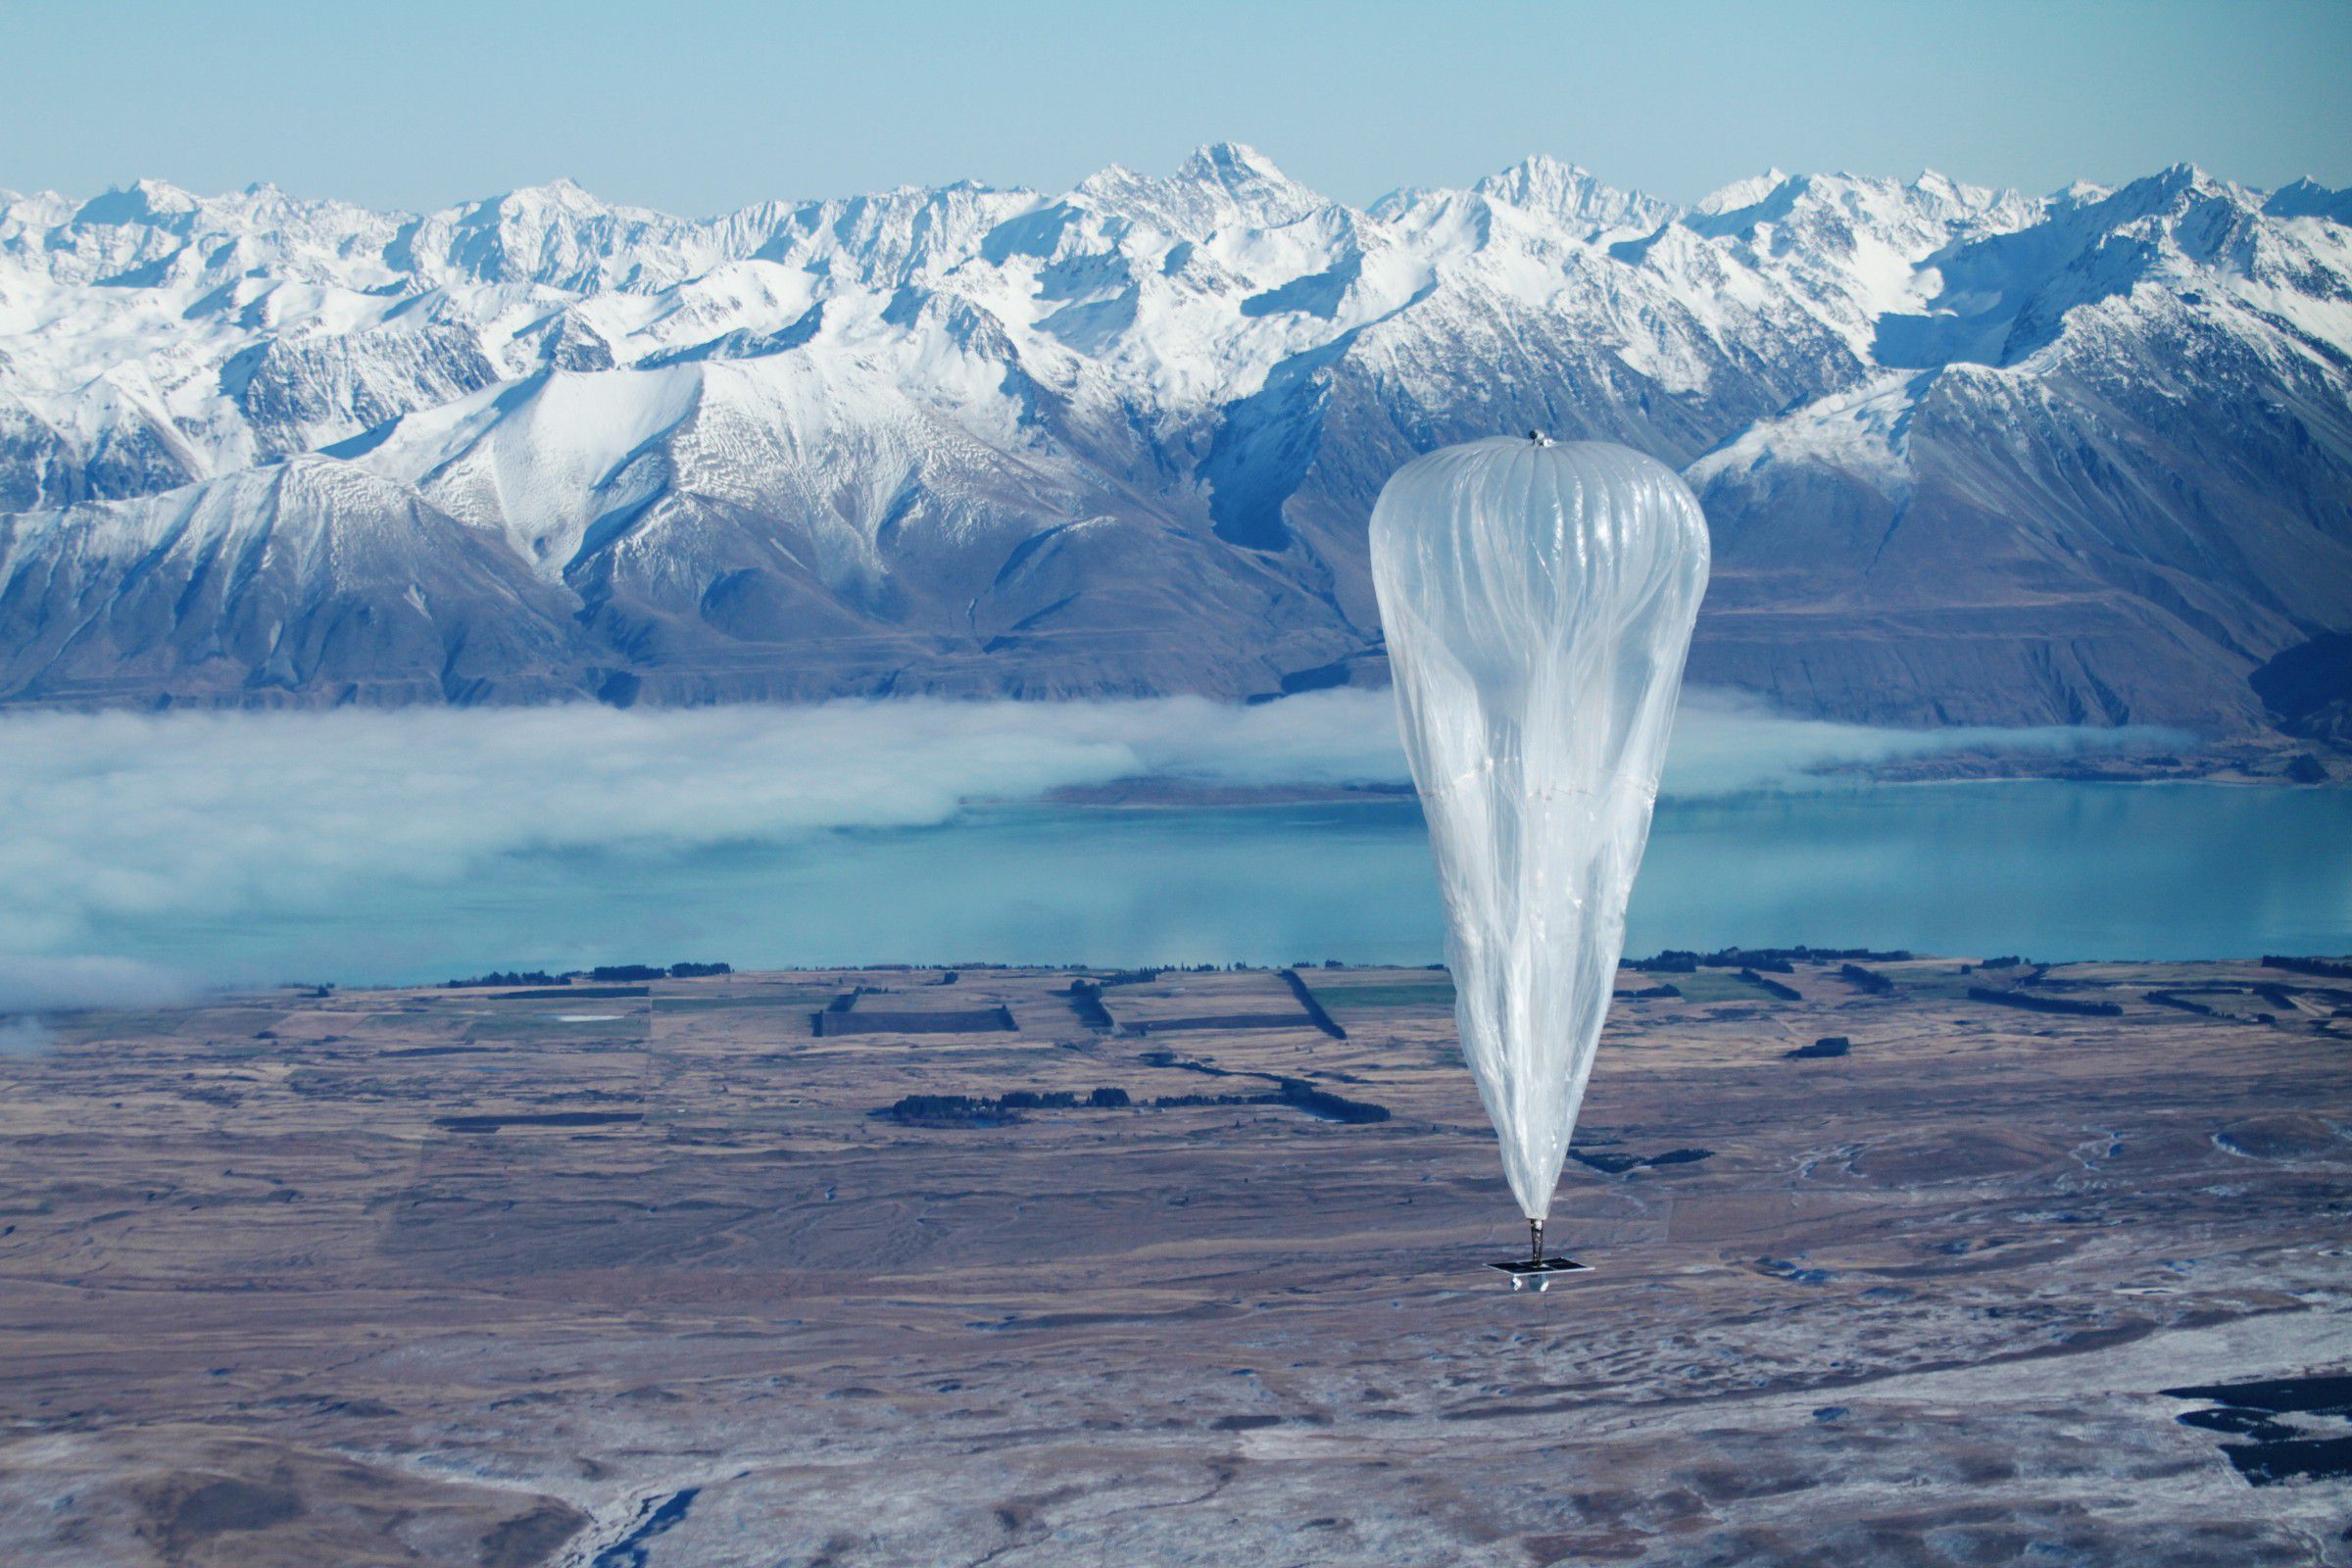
<point>1970,457</point>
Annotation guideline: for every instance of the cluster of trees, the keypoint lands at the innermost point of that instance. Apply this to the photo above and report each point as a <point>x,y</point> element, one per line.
<point>2323,967</point>
<point>1618,1164</point>
<point>1315,1009</point>
<point>995,1110</point>
<point>1826,1046</point>
<point>655,972</point>
<point>1771,961</point>
<point>509,977</point>
<point>2035,1004</point>
<point>1086,1000</point>
<point>1772,987</point>
<point>1295,1093</point>
<point>2173,998</point>
<point>603,972</point>
<point>1063,1099</point>
<point>1869,981</point>
<point>1298,1092</point>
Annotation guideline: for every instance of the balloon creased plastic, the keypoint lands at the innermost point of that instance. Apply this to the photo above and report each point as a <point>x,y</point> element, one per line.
<point>1538,601</point>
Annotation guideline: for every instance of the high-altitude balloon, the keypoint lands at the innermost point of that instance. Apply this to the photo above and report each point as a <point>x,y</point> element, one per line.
<point>1538,600</point>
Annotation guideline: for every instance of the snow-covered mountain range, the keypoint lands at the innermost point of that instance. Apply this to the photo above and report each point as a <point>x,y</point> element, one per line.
<point>1968,456</point>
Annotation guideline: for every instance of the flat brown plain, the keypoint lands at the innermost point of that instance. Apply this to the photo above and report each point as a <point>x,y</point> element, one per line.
<point>434,1277</point>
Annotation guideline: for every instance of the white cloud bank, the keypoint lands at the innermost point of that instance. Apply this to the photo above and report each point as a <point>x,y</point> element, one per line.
<point>136,818</point>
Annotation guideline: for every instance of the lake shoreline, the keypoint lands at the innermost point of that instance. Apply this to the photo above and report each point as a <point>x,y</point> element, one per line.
<point>1152,792</point>
<point>1162,872</point>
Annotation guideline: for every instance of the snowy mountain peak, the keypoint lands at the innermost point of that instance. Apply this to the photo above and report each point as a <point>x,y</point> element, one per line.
<point>1741,193</point>
<point>145,201</point>
<point>1573,195</point>
<point>1942,196</point>
<point>2308,198</point>
<point>1230,163</point>
<point>1220,187</point>
<point>1257,187</point>
<point>2189,179</point>
<point>562,194</point>
<point>1125,439</point>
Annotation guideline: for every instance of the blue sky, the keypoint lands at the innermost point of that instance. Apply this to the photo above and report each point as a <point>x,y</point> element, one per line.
<point>698,106</point>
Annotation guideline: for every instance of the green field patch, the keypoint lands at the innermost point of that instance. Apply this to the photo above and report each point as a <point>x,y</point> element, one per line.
<point>1384,994</point>
<point>1941,985</point>
<point>807,1001</point>
<point>1708,985</point>
<point>240,1033</point>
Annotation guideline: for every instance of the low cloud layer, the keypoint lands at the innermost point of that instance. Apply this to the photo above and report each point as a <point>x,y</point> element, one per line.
<point>37,982</point>
<point>1727,744</point>
<point>132,819</point>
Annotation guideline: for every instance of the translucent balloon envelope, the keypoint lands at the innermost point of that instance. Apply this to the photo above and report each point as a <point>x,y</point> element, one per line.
<point>1538,601</point>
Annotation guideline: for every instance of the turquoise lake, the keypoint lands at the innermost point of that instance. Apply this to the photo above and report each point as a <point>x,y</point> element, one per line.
<point>2053,871</point>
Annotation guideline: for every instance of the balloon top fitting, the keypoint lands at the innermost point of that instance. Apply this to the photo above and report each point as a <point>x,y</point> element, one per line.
<point>1539,438</point>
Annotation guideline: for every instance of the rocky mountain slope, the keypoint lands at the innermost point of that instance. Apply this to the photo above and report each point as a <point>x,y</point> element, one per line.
<point>1969,456</point>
